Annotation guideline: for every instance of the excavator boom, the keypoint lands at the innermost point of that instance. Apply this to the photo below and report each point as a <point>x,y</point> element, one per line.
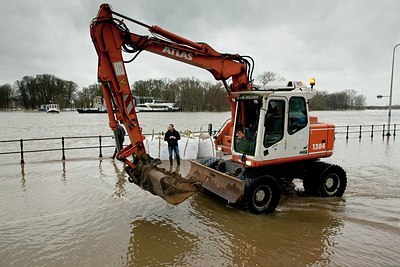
<point>111,37</point>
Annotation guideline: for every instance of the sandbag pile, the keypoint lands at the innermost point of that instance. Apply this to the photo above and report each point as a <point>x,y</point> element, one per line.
<point>190,146</point>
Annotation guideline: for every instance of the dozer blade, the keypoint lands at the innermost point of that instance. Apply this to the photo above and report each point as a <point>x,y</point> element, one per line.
<point>221,184</point>
<point>170,186</point>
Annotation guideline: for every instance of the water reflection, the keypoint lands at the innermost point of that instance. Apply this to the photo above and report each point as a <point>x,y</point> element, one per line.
<point>121,180</point>
<point>300,233</point>
<point>101,171</point>
<point>205,232</point>
<point>155,243</point>
<point>23,180</point>
<point>64,173</point>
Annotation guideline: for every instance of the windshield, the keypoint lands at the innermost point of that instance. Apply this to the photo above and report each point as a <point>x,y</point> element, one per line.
<point>247,118</point>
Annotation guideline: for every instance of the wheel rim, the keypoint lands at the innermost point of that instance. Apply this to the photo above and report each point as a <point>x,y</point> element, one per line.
<point>262,197</point>
<point>332,184</point>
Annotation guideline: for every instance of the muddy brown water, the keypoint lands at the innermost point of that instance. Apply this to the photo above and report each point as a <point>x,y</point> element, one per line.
<point>84,212</point>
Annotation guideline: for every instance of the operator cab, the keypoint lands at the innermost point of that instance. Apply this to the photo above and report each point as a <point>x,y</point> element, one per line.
<point>271,124</point>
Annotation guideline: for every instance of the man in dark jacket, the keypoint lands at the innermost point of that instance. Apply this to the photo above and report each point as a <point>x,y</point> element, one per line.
<point>120,139</point>
<point>172,136</point>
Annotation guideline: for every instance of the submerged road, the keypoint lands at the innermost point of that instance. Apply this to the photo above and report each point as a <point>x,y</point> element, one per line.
<point>84,212</point>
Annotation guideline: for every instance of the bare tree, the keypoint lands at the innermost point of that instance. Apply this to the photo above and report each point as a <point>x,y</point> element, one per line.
<point>268,76</point>
<point>359,102</point>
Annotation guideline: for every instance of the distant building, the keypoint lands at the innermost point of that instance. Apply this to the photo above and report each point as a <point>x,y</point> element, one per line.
<point>98,102</point>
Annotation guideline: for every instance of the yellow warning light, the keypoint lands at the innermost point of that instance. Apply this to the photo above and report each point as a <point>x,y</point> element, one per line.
<point>312,82</point>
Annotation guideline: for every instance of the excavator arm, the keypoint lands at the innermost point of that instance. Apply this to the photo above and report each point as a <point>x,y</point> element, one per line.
<point>111,37</point>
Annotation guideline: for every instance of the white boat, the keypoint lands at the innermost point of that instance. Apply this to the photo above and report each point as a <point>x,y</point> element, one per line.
<point>156,106</point>
<point>52,108</point>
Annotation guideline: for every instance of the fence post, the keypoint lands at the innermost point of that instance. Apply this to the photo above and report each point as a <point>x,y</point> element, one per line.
<point>100,152</point>
<point>394,130</point>
<point>63,148</point>
<point>21,144</point>
<point>383,132</point>
<point>359,136</point>
<point>347,132</point>
<point>372,131</point>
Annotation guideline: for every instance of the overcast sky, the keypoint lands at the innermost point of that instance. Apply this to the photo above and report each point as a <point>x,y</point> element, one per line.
<point>343,44</point>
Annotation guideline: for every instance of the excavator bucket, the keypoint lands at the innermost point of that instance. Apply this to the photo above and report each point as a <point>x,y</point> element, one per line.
<point>170,186</point>
<point>221,184</point>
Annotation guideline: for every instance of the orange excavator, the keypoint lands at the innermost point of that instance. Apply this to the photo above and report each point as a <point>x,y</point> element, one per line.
<point>270,136</point>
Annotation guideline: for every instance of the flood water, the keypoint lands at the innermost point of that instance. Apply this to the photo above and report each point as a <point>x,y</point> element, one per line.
<point>84,212</point>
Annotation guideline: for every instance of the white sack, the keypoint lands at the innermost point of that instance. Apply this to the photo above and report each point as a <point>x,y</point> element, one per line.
<point>206,148</point>
<point>158,148</point>
<point>188,148</point>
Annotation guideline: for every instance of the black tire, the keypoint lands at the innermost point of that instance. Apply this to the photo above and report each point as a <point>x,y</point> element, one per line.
<point>310,186</point>
<point>263,195</point>
<point>332,182</point>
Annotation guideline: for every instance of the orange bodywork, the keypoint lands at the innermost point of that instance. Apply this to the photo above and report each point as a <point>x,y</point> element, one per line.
<point>322,137</point>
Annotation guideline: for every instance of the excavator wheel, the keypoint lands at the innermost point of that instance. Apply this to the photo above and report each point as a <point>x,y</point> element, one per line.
<point>327,180</point>
<point>262,195</point>
<point>332,182</point>
<point>209,162</point>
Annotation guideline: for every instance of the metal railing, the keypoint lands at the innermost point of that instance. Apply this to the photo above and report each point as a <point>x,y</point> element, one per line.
<point>62,148</point>
<point>349,131</point>
<point>360,130</point>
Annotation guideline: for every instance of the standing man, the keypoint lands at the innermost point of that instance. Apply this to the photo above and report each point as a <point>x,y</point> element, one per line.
<point>120,135</point>
<point>172,136</point>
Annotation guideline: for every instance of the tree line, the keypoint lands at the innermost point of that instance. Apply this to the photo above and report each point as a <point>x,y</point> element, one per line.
<point>189,94</point>
<point>30,92</point>
<point>343,100</point>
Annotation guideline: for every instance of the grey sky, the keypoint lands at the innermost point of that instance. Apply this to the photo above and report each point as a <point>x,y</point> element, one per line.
<point>343,44</point>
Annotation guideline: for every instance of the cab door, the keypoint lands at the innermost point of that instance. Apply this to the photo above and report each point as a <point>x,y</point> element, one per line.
<point>298,129</point>
<point>273,126</point>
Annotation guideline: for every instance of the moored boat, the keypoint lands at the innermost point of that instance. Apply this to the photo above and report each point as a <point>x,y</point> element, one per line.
<point>91,110</point>
<point>157,106</point>
<point>52,108</point>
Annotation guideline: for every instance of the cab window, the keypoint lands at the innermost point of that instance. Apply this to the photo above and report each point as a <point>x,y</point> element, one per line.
<point>297,114</point>
<point>248,114</point>
<point>274,122</point>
